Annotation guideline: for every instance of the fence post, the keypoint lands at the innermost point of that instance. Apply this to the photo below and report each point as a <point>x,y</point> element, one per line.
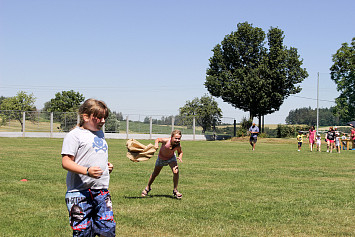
<point>172,123</point>
<point>51,124</point>
<point>150,127</point>
<point>127,126</point>
<point>193,128</point>
<point>23,123</point>
<point>235,127</point>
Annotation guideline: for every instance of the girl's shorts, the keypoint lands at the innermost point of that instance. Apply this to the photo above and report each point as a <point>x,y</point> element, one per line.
<point>90,212</point>
<point>160,162</point>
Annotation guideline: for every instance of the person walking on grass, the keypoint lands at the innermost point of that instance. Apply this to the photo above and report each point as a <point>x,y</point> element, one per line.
<point>166,157</point>
<point>318,142</point>
<point>85,156</point>
<point>300,140</point>
<point>311,137</point>
<point>337,142</point>
<point>343,142</point>
<point>330,138</point>
<point>254,131</point>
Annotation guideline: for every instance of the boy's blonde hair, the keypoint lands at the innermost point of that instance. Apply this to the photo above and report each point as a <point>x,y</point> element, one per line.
<point>94,107</point>
<point>173,133</point>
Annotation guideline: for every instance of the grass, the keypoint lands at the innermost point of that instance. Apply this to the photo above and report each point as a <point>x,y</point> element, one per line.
<point>228,191</point>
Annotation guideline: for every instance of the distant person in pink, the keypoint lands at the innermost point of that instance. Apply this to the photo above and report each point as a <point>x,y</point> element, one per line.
<point>352,134</point>
<point>312,137</point>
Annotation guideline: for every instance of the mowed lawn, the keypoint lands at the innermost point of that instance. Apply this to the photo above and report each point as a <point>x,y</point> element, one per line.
<point>228,190</point>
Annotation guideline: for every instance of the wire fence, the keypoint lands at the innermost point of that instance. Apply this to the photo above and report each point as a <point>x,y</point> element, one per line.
<point>62,122</point>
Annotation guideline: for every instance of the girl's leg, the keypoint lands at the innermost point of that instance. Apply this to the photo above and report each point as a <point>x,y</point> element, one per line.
<point>155,173</point>
<point>174,167</point>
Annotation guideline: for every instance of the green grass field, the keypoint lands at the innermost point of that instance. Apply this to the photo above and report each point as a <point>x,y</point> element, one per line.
<point>228,191</point>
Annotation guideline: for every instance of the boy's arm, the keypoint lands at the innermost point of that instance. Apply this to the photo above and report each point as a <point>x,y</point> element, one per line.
<point>110,167</point>
<point>69,164</point>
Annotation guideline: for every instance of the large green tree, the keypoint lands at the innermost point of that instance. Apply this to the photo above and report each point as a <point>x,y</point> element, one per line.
<point>13,107</point>
<point>343,73</point>
<point>204,109</point>
<point>250,76</point>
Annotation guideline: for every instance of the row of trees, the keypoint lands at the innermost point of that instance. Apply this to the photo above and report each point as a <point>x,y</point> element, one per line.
<point>309,116</point>
<point>65,104</point>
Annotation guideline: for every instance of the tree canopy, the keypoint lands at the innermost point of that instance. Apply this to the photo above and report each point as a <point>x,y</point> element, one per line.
<point>343,74</point>
<point>206,112</point>
<point>14,106</point>
<point>251,77</point>
<point>65,101</point>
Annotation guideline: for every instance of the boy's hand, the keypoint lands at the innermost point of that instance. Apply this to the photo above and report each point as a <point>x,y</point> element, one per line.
<point>179,158</point>
<point>95,172</point>
<point>110,167</point>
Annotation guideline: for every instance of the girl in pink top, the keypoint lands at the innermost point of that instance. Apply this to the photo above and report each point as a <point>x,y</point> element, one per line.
<point>312,137</point>
<point>167,157</point>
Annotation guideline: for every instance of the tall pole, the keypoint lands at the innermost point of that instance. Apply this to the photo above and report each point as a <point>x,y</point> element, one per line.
<point>317,102</point>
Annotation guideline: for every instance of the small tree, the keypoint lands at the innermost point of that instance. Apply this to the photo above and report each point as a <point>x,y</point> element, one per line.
<point>65,106</point>
<point>112,122</point>
<point>205,110</point>
<point>22,102</point>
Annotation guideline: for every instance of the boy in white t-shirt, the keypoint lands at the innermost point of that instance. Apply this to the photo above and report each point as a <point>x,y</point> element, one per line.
<point>85,156</point>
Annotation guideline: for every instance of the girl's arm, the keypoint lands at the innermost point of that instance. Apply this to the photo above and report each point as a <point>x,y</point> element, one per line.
<point>180,153</point>
<point>160,140</point>
<point>69,164</point>
<point>157,143</point>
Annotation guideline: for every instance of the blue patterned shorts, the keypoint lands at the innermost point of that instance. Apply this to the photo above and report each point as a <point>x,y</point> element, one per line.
<point>90,212</point>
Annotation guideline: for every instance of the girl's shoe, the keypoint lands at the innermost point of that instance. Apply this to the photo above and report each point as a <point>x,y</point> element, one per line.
<point>145,192</point>
<point>177,194</point>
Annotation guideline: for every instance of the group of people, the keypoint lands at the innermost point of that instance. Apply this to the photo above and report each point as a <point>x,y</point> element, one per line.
<point>332,138</point>
<point>85,157</point>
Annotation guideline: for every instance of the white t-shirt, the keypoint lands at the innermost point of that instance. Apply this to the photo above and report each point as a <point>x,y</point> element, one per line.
<point>89,149</point>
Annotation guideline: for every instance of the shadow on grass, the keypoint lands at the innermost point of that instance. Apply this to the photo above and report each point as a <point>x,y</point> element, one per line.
<point>153,196</point>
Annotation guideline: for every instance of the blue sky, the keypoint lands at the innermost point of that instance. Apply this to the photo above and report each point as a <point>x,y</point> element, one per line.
<point>150,57</point>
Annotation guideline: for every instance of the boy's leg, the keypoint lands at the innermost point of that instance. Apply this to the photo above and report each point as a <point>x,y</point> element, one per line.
<point>79,205</point>
<point>104,223</point>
